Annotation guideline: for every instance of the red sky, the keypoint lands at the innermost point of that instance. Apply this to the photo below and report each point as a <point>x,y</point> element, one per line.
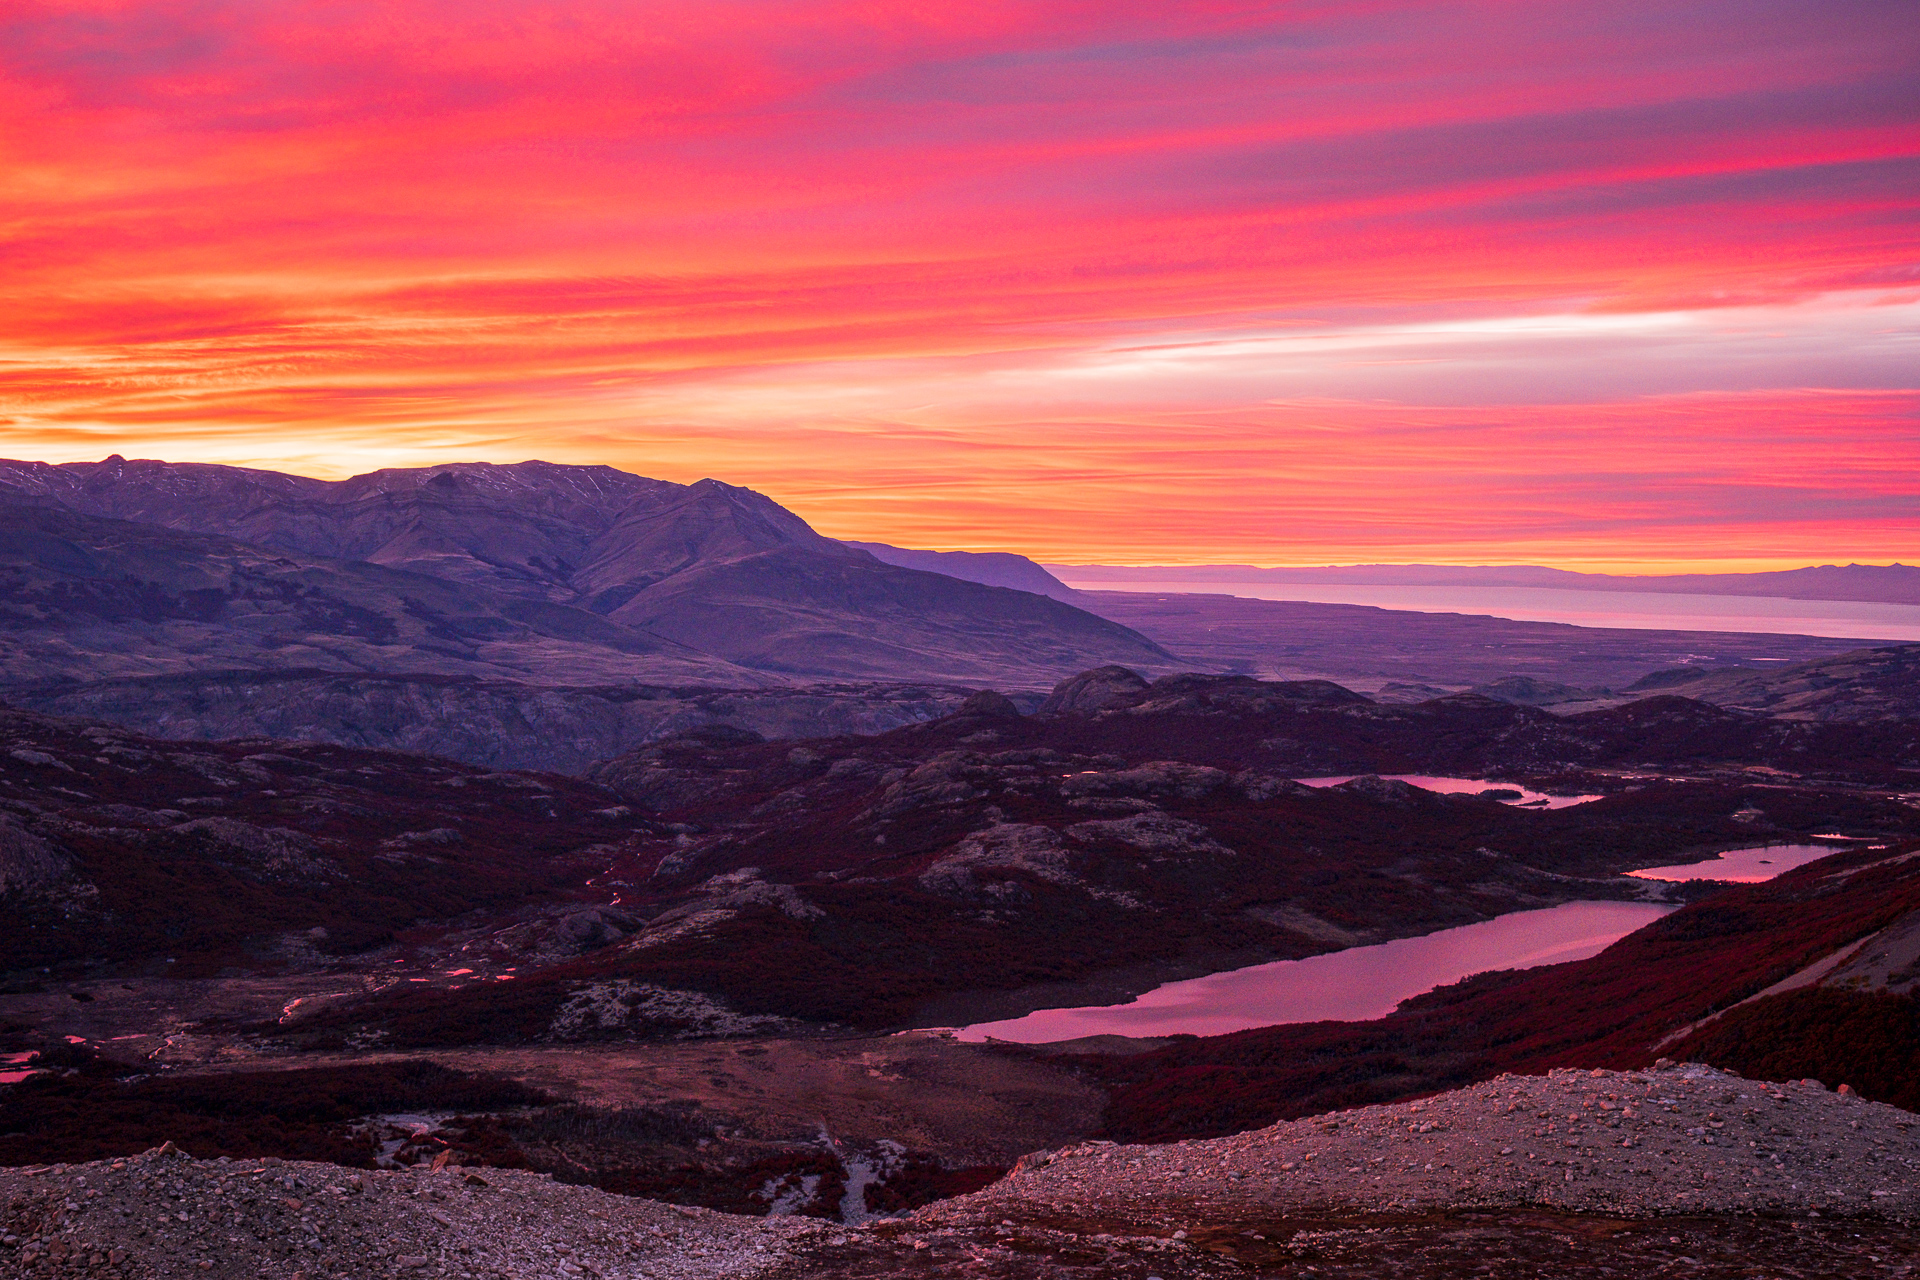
<point>1623,284</point>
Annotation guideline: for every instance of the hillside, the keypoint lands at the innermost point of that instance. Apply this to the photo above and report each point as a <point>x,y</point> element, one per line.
<point>498,724</point>
<point>677,979</point>
<point>988,863</point>
<point>1658,991</point>
<point>995,568</point>
<point>718,578</point>
<point>84,598</point>
<point>1863,684</point>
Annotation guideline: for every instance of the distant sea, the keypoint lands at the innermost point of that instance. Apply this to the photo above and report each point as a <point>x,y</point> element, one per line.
<point>1638,610</point>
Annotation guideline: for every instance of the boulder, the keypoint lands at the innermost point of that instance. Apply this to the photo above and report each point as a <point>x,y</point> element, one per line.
<point>1094,690</point>
<point>27,863</point>
<point>988,705</point>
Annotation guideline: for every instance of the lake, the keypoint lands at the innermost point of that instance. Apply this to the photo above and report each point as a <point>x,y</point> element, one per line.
<point>1634,610</point>
<point>1743,866</point>
<point>1465,786</point>
<point>1352,985</point>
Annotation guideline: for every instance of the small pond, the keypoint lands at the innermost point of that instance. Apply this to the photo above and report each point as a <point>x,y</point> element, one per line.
<point>1743,866</point>
<point>13,1068</point>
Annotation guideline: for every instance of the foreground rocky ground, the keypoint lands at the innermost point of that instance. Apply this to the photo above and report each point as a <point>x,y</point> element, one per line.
<point>1682,1171</point>
<point>165,1214</point>
<point>1633,1143</point>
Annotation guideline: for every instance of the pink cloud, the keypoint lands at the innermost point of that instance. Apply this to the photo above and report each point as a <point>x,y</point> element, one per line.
<point>914,236</point>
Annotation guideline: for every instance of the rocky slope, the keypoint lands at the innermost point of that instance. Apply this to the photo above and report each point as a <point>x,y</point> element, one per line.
<point>497,724</point>
<point>164,1214</point>
<point>84,597</point>
<point>1684,1172</point>
<point>119,850</point>
<point>1631,1143</point>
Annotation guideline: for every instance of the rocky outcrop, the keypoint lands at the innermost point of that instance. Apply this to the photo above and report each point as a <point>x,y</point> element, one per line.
<point>1094,690</point>
<point>1012,846</point>
<point>266,853</point>
<point>629,1010</point>
<point>1155,780</point>
<point>28,864</point>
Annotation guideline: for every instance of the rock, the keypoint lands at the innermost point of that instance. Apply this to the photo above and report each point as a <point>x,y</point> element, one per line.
<point>28,864</point>
<point>1157,779</point>
<point>988,705</point>
<point>1094,690</point>
<point>1010,846</point>
<point>1388,790</point>
<point>273,853</point>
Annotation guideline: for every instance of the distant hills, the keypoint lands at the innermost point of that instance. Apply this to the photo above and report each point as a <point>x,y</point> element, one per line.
<point>547,616</point>
<point>1887,584</point>
<point>1866,684</point>
<point>522,616</point>
<point>534,571</point>
<point>995,568</point>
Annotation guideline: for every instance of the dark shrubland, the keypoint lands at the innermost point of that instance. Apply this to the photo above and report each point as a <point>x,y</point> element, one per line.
<point>1867,1039</point>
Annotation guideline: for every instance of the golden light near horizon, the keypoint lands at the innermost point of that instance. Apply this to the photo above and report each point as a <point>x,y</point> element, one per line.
<point>1136,284</point>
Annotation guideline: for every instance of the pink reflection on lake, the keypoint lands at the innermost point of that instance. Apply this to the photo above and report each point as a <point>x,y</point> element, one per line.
<point>1352,985</point>
<point>1527,798</point>
<point>1742,866</point>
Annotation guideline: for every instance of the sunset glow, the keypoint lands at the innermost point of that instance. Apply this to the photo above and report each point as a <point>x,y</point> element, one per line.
<point>1625,285</point>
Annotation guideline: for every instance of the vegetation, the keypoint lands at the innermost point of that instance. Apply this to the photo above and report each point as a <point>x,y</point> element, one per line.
<point>89,1107</point>
<point>1867,1039</point>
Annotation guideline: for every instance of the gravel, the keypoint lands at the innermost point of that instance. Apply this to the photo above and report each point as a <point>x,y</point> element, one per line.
<point>1514,1175</point>
<point>1679,1140</point>
<point>163,1214</point>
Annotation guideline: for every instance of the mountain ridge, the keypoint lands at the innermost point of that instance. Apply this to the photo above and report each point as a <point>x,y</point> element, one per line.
<point>716,583</point>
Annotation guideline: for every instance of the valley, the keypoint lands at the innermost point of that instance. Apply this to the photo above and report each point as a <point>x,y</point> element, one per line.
<point>602,950</point>
<point>464,824</point>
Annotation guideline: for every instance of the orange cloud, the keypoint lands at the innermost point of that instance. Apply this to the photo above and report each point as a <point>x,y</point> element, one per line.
<point>1117,281</point>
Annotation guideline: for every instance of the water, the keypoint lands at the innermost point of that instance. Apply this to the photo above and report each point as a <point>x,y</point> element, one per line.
<point>1743,866</point>
<point>1465,786</point>
<point>1634,610</point>
<point>1352,985</point>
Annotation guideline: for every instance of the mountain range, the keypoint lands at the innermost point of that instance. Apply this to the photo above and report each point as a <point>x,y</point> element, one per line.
<point>1887,584</point>
<point>537,572</point>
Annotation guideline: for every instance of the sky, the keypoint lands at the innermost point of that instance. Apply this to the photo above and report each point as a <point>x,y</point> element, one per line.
<point>1622,286</point>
